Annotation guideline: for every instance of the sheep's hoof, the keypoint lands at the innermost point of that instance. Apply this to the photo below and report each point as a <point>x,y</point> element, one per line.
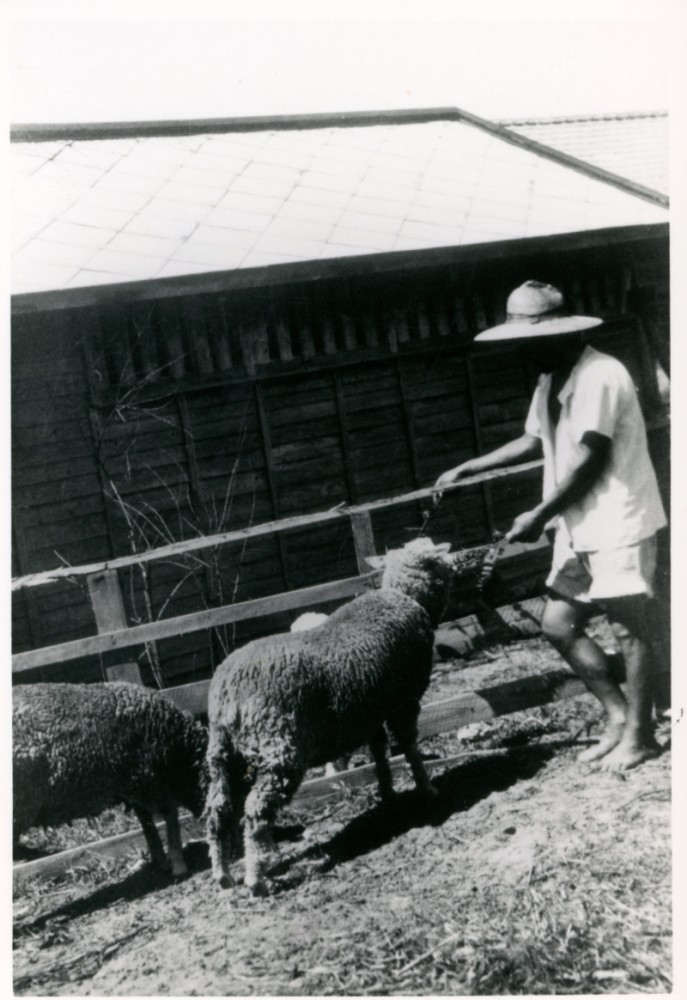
<point>224,882</point>
<point>258,888</point>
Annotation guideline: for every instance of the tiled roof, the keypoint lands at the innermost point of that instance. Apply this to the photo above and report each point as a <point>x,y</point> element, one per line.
<point>93,212</point>
<point>634,146</point>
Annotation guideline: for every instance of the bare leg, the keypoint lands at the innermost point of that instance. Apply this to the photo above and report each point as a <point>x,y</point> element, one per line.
<point>631,621</point>
<point>404,729</point>
<point>563,625</point>
<point>378,748</point>
<point>659,622</point>
<point>155,848</point>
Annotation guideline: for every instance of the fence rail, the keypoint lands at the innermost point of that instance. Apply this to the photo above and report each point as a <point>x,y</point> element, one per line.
<point>105,601</point>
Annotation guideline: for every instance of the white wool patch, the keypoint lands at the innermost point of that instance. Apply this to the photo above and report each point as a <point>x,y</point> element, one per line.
<point>308,620</point>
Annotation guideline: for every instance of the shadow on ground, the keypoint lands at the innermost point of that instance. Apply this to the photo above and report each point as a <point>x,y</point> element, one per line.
<point>459,789</point>
<point>134,886</point>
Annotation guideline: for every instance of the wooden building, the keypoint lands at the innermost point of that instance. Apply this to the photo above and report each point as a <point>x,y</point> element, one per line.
<point>217,324</point>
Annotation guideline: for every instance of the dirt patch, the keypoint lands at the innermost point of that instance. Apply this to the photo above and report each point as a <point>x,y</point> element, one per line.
<point>529,874</point>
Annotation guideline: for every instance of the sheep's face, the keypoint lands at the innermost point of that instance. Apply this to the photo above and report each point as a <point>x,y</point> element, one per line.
<point>422,570</point>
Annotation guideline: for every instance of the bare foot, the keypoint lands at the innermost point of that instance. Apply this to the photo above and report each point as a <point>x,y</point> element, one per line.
<point>610,739</point>
<point>630,753</point>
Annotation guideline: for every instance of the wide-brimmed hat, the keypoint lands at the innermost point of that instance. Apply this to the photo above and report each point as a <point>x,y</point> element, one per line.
<point>537,310</point>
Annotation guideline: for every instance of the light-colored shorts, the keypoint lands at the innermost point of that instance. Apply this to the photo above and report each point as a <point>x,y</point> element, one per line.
<point>595,576</point>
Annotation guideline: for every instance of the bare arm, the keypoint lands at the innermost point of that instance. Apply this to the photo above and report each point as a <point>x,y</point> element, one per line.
<point>521,449</point>
<point>595,450</point>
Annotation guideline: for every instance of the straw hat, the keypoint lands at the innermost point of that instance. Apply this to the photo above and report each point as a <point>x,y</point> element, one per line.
<point>537,310</point>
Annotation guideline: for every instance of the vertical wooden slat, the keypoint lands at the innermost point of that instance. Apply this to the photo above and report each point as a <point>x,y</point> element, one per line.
<point>442,319</point>
<point>218,335</point>
<point>363,539</point>
<point>423,323</point>
<point>193,318</point>
<point>408,423</point>
<point>326,327</point>
<point>346,317</point>
<point>399,318</point>
<point>369,326</point>
<point>254,346</point>
<point>305,333</point>
<point>271,479</point>
<point>116,340</point>
<point>143,336</point>
<point>460,319</point>
<point>477,434</point>
<point>283,336</point>
<point>108,609</point>
<point>170,332</point>
<point>344,437</point>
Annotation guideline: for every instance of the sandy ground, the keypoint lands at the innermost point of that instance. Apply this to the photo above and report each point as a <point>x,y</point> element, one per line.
<point>529,874</point>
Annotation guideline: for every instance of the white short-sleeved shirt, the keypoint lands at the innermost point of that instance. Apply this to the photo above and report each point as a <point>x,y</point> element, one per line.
<point>623,506</point>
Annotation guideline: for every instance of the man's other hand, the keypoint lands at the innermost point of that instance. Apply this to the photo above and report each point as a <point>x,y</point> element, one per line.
<point>527,527</point>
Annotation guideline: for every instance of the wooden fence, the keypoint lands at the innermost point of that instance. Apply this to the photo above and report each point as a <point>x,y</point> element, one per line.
<point>444,716</point>
<point>108,610</point>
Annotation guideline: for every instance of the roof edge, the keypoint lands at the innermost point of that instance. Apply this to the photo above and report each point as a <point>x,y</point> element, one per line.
<point>344,119</point>
<point>571,119</point>
<point>32,303</point>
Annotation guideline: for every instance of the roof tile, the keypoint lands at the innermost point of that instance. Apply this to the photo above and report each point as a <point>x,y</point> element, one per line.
<point>163,206</point>
<point>245,202</point>
<point>60,254</point>
<point>191,194</point>
<point>368,239</point>
<point>79,235</point>
<point>132,264</point>
<point>92,215</point>
<point>146,245</point>
<point>211,255</point>
<point>237,239</point>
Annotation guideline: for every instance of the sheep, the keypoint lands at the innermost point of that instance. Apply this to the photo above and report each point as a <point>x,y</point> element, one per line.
<point>285,703</point>
<point>81,748</point>
<point>308,620</point>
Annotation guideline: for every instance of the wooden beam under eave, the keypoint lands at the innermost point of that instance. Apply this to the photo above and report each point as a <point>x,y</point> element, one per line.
<point>275,275</point>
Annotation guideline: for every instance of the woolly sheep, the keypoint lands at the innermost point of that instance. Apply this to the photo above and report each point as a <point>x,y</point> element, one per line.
<point>81,748</point>
<point>308,620</point>
<point>285,703</point>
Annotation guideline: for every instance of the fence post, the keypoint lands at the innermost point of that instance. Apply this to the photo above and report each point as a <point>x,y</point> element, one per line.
<point>363,538</point>
<point>108,608</point>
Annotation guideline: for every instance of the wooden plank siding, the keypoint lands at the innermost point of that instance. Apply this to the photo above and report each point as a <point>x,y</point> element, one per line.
<point>145,423</point>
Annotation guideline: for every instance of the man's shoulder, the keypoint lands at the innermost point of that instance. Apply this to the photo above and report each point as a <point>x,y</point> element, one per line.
<point>599,365</point>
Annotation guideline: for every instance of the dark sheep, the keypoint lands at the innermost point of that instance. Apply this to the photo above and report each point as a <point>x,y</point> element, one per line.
<point>81,748</point>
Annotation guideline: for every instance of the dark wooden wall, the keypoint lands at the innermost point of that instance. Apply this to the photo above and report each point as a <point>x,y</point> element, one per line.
<point>136,425</point>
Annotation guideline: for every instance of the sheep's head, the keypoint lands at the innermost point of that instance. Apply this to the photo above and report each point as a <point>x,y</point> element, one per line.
<point>420,569</point>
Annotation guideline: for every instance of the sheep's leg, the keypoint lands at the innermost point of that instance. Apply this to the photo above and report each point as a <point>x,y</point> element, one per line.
<point>174,848</point>
<point>378,748</point>
<point>271,790</point>
<point>221,818</point>
<point>155,848</point>
<point>404,729</point>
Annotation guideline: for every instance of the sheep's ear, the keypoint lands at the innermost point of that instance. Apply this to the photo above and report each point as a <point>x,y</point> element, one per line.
<point>442,547</point>
<point>376,562</point>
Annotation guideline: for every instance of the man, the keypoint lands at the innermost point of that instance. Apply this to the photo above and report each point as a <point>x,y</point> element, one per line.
<point>600,490</point>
